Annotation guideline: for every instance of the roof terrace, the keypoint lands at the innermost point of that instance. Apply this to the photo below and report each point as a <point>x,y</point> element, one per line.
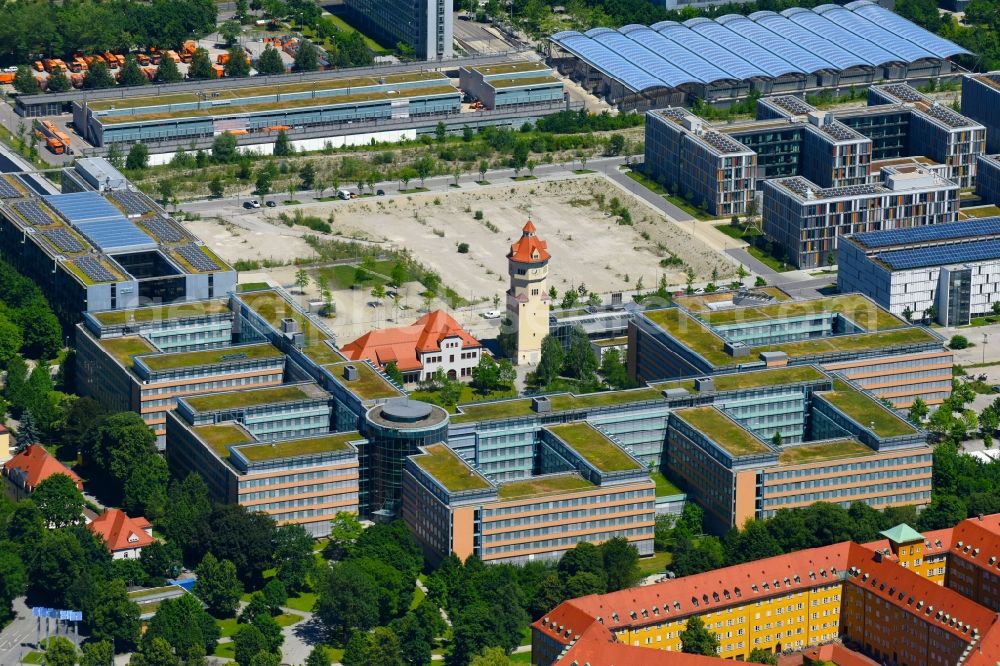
<point>257,397</point>
<point>370,385</point>
<point>191,359</point>
<point>595,447</point>
<point>293,448</point>
<point>162,312</point>
<point>722,430</point>
<point>449,470</point>
<point>544,485</point>
<point>801,454</point>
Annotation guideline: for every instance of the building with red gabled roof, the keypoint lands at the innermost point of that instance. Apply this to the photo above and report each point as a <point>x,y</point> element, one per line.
<point>29,468</point>
<point>124,536</point>
<point>861,595</point>
<point>435,342</point>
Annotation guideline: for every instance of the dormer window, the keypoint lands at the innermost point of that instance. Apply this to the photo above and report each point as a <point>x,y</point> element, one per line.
<point>725,593</point>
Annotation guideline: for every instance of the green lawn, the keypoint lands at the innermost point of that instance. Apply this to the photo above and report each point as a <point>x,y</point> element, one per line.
<point>768,260</point>
<point>655,564</point>
<point>287,619</point>
<point>346,276</point>
<point>449,470</point>
<point>377,49</point>
<point>225,651</point>
<point>652,185</point>
<point>469,394</point>
<point>520,658</point>
<point>418,596</point>
<point>227,627</point>
<point>806,453</point>
<point>594,446</point>
<point>738,232</point>
<point>32,658</point>
<point>722,430</point>
<point>303,602</point>
<point>543,486</point>
<point>866,411</point>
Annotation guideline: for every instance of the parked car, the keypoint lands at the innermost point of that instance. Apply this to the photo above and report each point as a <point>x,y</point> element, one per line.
<point>254,203</point>
<point>996,388</point>
<point>380,193</point>
<point>247,205</point>
<point>10,70</point>
<point>270,204</point>
<point>491,314</point>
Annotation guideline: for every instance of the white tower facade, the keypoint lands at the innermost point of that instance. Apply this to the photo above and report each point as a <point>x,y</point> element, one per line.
<point>528,296</point>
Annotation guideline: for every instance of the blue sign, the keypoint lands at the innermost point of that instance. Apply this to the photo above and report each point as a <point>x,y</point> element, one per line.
<point>57,614</point>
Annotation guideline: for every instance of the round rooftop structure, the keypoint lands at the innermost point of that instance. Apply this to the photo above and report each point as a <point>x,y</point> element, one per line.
<point>404,410</point>
<point>406,414</point>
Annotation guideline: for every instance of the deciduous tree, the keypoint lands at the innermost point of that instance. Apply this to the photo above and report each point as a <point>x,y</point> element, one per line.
<point>59,501</point>
<point>218,586</point>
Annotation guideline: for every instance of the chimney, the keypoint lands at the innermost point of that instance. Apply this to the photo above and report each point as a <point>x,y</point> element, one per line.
<point>289,325</point>
<point>541,405</point>
<point>704,384</point>
<point>351,373</point>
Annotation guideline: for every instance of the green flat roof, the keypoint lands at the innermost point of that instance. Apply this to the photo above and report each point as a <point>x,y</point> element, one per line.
<point>516,82</point>
<point>799,454</point>
<point>125,348</point>
<point>866,411</point>
<point>753,379</point>
<point>258,91</point>
<point>664,487</point>
<point>369,385</point>
<point>857,308</point>
<point>543,485</point>
<point>221,436</point>
<point>504,409</point>
<point>702,340</point>
<point>211,356</point>
<point>153,591</point>
<point>235,109</point>
<point>449,470</point>
<point>248,398</point>
<point>273,308</point>
<point>722,430</point>
<point>511,68</point>
<point>332,443</point>
<point>595,447</point>
<point>162,312</point>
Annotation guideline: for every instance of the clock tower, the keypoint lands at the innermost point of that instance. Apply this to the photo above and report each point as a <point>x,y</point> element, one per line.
<point>528,296</point>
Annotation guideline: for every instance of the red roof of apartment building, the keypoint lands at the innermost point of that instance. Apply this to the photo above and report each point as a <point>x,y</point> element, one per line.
<point>36,465</point>
<point>586,624</point>
<point>837,654</point>
<point>403,344</point>
<point>529,249</point>
<point>120,532</point>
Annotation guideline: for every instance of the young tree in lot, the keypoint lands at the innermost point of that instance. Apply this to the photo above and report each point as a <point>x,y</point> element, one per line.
<point>230,31</point>
<point>98,76</point>
<point>270,62</point>
<point>301,280</point>
<point>237,66</point>
<point>551,362</point>
<point>282,146</point>
<point>306,58</point>
<point>307,176</point>
<point>201,65</point>
<point>138,157</point>
<point>59,501</point>
<point>25,82</point>
<point>167,72</point>
<point>696,639</point>
<point>224,148</point>
<point>263,183</point>
<point>57,81</point>
<point>484,166</point>
<point>132,74</point>
<point>423,167</point>
<point>218,586</point>
<point>216,188</point>
<point>616,144</point>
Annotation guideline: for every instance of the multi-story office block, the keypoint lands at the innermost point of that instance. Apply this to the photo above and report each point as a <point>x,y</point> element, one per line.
<point>851,334</point>
<point>588,489</point>
<point>948,273</point>
<point>511,85</point>
<point>878,599</point>
<point>988,179</point>
<point>114,251</point>
<point>807,220</point>
<point>980,98</point>
<point>937,131</point>
<point>425,25</point>
<point>303,480</point>
<point>706,166</point>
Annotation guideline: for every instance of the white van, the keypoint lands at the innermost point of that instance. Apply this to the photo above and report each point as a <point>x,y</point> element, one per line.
<point>344,194</point>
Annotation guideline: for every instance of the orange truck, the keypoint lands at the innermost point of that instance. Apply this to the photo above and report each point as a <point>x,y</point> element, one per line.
<point>76,80</point>
<point>142,58</point>
<point>222,59</point>
<point>110,59</point>
<point>173,56</point>
<point>6,78</point>
<point>219,70</point>
<point>55,146</point>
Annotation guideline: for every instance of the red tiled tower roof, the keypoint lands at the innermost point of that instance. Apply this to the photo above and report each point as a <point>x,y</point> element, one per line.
<point>119,531</point>
<point>529,249</point>
<point>36,465</point>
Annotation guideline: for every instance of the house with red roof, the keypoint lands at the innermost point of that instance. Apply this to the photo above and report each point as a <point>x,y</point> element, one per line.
<point>30,467</point>
<point>124,536</point>
<point>435,342</point>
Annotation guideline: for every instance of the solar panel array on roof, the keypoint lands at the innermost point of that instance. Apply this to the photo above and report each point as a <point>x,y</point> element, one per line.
<point>941,255</point>
<point>93,269</point>
<point>763,45</point>
<point>841,132</point>
<point>116,235</point>
<point>987,226</point>
<point>903,93</point>
<point>64,240</point>
<point>78,207</point>
<point>792,104</point>
<point>134,203</point>
<point>195,256</point>
<point>947,116</point>
<point>165,230</point>
<point>33,212</point>
<point>7,190</point>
